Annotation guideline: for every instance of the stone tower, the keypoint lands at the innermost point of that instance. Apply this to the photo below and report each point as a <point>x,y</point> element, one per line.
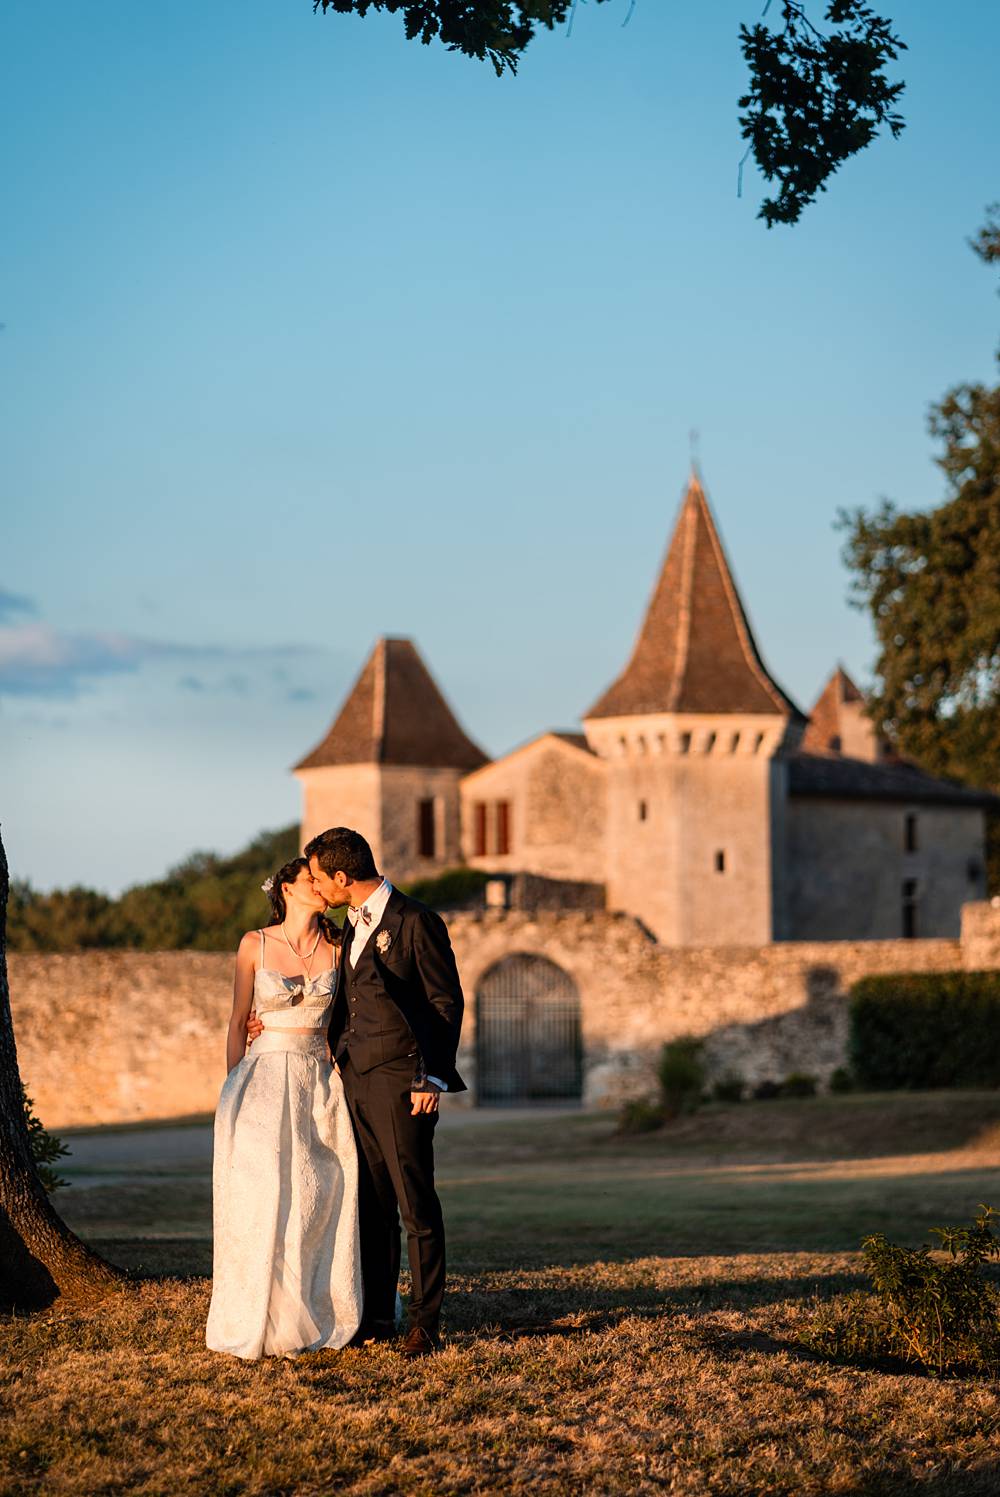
<point>390,766</point>
<point>690,732</point>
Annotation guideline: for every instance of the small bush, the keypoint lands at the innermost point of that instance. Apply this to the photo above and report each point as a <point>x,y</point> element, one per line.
<point>766,1091</point>
<point>729,1088</point>
<point>681,1075</point>
<point>926,1029</point>
<point>841,1080</point>
<point>640,1116</point>
<point>45,1147</point>
<point>942,1317</point>
<point>450,890</point>
<point>798,1084</point>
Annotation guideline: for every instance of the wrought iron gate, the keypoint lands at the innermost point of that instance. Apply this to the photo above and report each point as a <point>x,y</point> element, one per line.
<point>528,1042</point>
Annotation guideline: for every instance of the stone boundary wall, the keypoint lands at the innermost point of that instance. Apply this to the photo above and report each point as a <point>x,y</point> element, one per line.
<point>127,1036</point>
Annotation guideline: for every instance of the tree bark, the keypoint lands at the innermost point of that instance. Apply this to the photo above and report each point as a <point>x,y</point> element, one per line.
<point>40,1258</point>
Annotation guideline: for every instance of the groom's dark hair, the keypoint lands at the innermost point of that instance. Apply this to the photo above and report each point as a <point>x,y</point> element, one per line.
<point>340,848</point>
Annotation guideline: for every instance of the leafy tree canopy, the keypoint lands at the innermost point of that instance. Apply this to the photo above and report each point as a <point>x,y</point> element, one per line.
<point>815,98</point>
<point>931,580</point>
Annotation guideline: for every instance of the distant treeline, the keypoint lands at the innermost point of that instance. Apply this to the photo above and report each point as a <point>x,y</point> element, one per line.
<point>204,904</point>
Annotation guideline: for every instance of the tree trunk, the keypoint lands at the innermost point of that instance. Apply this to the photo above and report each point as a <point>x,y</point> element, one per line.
<point>40,1258</point>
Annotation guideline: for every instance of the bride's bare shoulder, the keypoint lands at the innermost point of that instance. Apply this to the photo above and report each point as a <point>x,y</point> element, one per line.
<point>250,939</point>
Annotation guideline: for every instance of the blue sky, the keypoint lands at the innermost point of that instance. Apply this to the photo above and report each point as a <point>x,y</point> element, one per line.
<point>311,334</point>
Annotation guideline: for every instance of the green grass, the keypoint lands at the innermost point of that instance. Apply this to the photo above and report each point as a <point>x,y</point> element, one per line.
<point>622,1316</point>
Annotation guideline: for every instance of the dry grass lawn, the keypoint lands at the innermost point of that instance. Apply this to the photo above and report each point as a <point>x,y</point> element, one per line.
<point>622,1317</point>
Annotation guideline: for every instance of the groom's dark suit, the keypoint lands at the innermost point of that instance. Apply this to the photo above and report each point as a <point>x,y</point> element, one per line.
<point>396,1019</point>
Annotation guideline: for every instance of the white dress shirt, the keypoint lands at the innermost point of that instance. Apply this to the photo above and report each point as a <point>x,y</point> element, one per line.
<point>364,930</point>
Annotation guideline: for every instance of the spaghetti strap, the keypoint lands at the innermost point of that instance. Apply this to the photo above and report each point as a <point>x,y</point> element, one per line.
<point>261,934</point>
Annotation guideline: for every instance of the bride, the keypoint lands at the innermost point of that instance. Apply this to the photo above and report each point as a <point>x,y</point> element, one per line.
<point>287,1269</point>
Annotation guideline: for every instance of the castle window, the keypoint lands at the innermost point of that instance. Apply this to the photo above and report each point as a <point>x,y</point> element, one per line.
<point>710,743</point>
<point>835,743</point>
<point>909,908</point>
<point>640,744</point>
<point>720,861</point>
<point>479,817</point>
<point>643,810</point>
<point>685,743</point>
<point>503,827</point>
<point>758,743</point>
<point>426,839</point>
<point>734,743</point>
<point>910,832</point>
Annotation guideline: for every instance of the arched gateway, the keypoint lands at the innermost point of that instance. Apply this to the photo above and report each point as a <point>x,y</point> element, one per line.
<point>528,1042</point>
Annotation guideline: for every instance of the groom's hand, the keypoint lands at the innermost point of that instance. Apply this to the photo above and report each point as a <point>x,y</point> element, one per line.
<point>424,1101</point>
<point>254,1026</point>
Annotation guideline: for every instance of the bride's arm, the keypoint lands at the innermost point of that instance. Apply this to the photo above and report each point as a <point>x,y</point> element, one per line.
<point>236,1038</point>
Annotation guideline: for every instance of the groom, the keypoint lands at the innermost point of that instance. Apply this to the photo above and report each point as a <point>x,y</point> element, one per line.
<point>394,1034</point>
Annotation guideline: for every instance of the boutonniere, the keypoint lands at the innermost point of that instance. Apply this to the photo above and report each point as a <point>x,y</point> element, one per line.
<point>383,941</point>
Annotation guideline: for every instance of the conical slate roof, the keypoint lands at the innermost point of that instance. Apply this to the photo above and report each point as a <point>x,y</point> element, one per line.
<point>395,714</point>
<point>695,651</point>
<point>825,728</point>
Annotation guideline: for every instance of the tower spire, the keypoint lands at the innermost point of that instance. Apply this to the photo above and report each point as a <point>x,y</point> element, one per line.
<point>695,651</point>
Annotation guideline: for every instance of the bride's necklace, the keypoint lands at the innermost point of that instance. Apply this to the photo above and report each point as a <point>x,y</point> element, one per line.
<point>305,960</point>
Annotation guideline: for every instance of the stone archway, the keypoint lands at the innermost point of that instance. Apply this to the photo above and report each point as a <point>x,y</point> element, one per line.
<point>529,1045</point>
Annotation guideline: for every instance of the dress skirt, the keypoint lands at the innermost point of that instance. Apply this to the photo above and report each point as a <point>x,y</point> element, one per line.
<point>287,1264</point>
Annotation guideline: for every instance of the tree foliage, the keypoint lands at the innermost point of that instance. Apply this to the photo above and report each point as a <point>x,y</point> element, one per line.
<point>931,580</point>
<point>814,98</point>
<point>204,904</point>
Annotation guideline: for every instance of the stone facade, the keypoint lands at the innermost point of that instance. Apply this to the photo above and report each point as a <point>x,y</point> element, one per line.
<point>387,804</point>
<point>112,1037</point>
<point>850,862</point>
<point>556,827</point>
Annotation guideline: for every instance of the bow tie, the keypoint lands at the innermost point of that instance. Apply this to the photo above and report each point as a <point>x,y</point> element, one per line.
<point>364,914</point>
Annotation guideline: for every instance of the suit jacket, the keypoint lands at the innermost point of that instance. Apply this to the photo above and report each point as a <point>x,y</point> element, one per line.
<point>413,980</point>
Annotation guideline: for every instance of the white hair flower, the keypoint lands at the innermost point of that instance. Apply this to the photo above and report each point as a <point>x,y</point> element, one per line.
<point>268,885</point>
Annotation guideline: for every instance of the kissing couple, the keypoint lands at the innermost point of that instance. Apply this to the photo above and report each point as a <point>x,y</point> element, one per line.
<point>324,1133</point>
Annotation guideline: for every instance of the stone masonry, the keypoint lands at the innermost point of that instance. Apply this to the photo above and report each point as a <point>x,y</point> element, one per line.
<point>114,1037</point>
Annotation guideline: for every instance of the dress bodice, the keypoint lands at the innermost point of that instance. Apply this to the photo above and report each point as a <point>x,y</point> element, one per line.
<point>293,1002</point>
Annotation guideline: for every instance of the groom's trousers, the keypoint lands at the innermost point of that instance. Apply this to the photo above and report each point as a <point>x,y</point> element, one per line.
<point>396,1178</point>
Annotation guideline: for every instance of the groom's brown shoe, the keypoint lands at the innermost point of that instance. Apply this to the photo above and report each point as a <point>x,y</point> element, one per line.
<point>418,1343</point>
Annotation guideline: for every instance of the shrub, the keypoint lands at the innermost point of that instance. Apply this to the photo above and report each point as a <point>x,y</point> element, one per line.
<point>640,1116</point>
<point>766,1091</point>
<point>926,1029</point>
<point>681,1075</point>
<point>45,1147</point>
<point>943,1317</point>
<point>451,889</point>
<point>729,1088</point>
<point>798,1084</point>
<point>841,1080</point>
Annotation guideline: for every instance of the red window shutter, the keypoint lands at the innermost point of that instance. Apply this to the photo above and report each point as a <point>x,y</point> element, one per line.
<point>503,826</point>
<point>479,810</point>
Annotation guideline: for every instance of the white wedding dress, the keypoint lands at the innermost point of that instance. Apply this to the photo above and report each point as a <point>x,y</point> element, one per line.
<point>287,1263</point>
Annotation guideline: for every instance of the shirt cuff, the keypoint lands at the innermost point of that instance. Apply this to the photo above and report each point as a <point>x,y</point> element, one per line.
<point>436,1081</point>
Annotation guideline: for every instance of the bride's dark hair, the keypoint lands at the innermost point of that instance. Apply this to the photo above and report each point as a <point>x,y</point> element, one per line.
<point>287,874</point>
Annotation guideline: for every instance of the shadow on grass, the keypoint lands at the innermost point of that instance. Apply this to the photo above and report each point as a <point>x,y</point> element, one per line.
<point>542,1309</point>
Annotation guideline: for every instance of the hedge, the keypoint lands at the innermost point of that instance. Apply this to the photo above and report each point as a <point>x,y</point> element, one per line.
<point>926,1029</point>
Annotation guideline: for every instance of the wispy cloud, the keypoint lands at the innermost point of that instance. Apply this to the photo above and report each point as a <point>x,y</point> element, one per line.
<point>15,605</point>
<point>37,660</point>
